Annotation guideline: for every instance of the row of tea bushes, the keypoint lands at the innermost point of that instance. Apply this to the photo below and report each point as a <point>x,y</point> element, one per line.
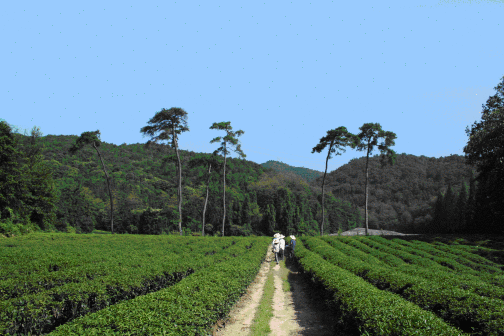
<point>86,262</point>
<point>461,308</point>
<point>41,312</point>
<point>422,259</point>
<point>458,252</point>
<point>470,260</point>
<point>191,307</point>
<point>375,312</point>
<point>433,273</point>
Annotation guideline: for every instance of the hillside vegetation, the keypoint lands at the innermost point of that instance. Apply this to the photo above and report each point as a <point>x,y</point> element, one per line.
<point>143,184</point>
<point>261,199</point>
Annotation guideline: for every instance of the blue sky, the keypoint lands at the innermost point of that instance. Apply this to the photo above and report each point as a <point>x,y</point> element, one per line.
<point>284,72</point>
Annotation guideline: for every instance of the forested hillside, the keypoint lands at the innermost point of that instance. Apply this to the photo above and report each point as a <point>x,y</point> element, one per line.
<point>402,196</point>
<point>258,200</point>
<point>306,174</point>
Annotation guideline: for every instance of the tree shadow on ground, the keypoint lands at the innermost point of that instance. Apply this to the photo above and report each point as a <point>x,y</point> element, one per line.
<point>313,308</point>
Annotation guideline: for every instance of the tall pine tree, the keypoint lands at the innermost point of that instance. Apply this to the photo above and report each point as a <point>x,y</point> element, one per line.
<point>448,207</point>
<point>470,205</point>
<point>460,206</point>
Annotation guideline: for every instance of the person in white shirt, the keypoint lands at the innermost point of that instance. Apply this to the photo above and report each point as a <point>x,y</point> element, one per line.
<point>276,248</point>
<point>282,247</point>
<point>275,236</point>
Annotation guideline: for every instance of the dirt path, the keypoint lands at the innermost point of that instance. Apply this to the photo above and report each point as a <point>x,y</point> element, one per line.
<point>284,321</point>
<point>300,311</point>
<point>242,315</point>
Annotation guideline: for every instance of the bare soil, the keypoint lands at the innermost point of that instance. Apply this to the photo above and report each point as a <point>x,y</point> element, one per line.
<point>301,311</point>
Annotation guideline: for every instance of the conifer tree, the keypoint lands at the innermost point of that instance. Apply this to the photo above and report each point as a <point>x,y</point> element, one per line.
<point>469,210</point>
<point>245,211</point>
<point>230,137</point>
<point>41,194</point>
<point>369,135</point>
<point>206,161</point>
<point>460,207</point>
<point>435,224</point>
<point>485,149</point>
<point>339,138</point>
<point>448,207</point>
<point>169,123</point>
<point>12,187</point>
<point>270,219</point>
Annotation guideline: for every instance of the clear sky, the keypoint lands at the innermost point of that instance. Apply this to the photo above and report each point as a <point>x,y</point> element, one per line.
<point>284,72</point>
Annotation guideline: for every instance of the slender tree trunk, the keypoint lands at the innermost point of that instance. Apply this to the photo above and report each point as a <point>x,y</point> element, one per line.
<point>224,206</point>
<point>206,200</point>
<point>366,212</point>
<point>110,193</point>
<point>179,185</point>
<point>323,183</point>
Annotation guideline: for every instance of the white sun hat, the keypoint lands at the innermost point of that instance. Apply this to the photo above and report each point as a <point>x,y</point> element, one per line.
<point>282,236</point>
<point>277,235</point>
<point>292,237</point>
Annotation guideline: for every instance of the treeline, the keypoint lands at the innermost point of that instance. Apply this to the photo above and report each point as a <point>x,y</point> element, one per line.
<point>69,192</point>
<point>401,197</point>
<point>56,183</point>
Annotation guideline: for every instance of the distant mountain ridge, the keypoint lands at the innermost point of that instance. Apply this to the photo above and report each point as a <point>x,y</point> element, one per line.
<point>400,197</point>
<point>307,174</point>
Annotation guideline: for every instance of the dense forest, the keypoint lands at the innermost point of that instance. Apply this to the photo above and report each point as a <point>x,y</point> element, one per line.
<point>401,197</point>
<point>261,198</point>
<point>61,183</point>
<point>258,200</point>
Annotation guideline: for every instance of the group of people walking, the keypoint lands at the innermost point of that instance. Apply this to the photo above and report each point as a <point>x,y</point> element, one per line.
<point>278,246</point>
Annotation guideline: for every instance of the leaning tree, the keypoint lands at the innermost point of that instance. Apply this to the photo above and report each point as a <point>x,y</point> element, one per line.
<point>93,138</point>
<point>339,138</point>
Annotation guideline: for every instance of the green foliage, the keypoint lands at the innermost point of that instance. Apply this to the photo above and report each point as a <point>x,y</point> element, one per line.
<point>229,138</point>
<point>139,180</point>
<point>189,307</point>
<point>484,149</point>
<point>53,278</point>
<point>359,303</point>
<point>26,183</point>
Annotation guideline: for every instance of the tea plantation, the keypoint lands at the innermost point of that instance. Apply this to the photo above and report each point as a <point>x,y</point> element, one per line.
<point>396,287</point>
<point>68,284</point>
<point>121,284</point>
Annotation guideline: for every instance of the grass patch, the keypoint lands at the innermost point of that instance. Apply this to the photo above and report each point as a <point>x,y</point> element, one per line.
<point>260,326</point>
<point>284,275</point>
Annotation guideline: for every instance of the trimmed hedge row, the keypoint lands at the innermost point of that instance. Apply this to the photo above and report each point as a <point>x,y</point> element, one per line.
<point>42,312</point>
<point>462,257</point>
<point>463,309</point>
<point>466,253</point>
<point>353,247</point>
<point>462,281</point>
<point>55,265</point>
<point>111,262</point>
<point>412,256</point>
<point>494,279</point>
<point>190,307</point>
<point>376,312</point>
